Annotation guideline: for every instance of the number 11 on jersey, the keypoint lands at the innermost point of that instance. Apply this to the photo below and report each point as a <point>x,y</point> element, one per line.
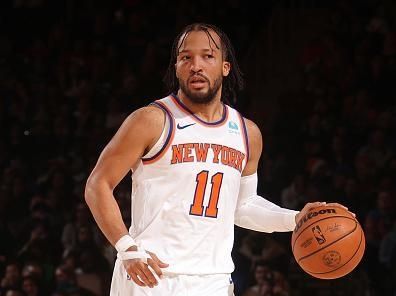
<point>197,207</point>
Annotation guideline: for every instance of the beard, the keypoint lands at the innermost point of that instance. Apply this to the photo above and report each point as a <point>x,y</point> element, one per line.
<point>200,97</point>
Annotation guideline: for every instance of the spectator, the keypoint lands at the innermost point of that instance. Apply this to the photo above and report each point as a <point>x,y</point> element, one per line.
<point>74,233</point>
<point>293,196</point>
<point>267,282</point>
<point>12,277</point>
<point>30,286</point>
<point>14,292</point>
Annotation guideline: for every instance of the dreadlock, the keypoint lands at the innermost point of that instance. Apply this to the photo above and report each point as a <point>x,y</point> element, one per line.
<point>231,83</point>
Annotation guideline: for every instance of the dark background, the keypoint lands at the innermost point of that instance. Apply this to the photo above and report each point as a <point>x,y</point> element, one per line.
<point>318,83</point>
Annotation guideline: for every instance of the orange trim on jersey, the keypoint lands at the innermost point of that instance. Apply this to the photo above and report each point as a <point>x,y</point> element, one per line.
<point>168,141</point>
<point>245,136</point>
<point>187,111</point>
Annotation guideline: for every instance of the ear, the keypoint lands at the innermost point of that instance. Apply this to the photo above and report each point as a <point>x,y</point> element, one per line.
<point>226,68</point>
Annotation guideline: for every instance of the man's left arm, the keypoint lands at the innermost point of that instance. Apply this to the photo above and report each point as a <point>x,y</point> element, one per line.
<point>253,211</point>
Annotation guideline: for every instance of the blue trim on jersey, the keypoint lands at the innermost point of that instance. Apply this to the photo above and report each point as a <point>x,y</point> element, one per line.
<point>169,132</point>
<point>224,116</point>
<point>245,136</point>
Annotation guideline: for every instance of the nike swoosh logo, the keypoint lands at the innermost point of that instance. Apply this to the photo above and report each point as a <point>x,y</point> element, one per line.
<point>184,126</point>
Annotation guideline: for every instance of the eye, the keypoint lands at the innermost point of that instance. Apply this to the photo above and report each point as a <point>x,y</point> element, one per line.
<point>209,56</point>
<point>185,58</point>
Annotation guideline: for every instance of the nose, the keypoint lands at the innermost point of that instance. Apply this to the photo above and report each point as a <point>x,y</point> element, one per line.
<point>196,65</point>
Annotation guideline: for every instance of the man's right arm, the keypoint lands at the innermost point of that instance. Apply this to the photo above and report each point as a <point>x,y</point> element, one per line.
<point>136,136</point>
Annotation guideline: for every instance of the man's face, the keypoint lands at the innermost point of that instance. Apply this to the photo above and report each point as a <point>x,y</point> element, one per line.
<point>200,67</point>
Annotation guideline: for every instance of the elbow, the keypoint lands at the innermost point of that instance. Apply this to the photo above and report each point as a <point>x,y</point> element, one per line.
<point>96,188</point>
<point>89,192</point>
<point>92,188</point>
<point>238,217</point>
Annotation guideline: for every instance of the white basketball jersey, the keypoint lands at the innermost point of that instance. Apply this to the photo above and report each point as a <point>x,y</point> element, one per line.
<point>184,197</point>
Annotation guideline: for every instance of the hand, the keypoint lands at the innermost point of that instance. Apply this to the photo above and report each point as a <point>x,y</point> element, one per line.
<point>312,205</point>
<point>140,272</point>
<point>335,204</point>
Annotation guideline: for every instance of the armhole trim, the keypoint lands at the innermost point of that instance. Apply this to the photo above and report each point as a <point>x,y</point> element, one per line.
<point>245,136</point>
<point>169,137</point>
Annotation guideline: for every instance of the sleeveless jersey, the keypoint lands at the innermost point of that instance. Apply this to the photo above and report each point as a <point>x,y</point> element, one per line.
<point>184,197</point>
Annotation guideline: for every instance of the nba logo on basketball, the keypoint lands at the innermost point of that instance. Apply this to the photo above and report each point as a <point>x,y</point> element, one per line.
<point>318,235</point>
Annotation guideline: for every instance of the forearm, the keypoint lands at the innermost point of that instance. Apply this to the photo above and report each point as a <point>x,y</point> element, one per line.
<point>259,214</point>
<point>256,213</point>
<point>100,199</point>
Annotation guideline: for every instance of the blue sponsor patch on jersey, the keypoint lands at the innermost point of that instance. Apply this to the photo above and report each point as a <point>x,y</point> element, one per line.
<point>233,125</point>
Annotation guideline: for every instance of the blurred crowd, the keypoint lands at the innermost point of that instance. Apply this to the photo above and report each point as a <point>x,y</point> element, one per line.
<point>70,73</point>
<point>334,139</point>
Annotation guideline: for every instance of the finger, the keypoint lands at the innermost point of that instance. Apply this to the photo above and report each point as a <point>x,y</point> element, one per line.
<point>142,276</point>
<point>136,280</point>
<point>335,204</point>
<point>149,277</point>
<point>158,261</point>
<point>312,205</point>
<point>316,203</point>
<point>155,267</point>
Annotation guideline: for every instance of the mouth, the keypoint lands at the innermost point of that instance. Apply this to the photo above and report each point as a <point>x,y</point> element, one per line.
<point>197,82</point>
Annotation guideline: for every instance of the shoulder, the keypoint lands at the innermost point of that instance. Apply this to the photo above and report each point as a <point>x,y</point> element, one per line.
<point>252,129</point>
<point>147,120</point>
<point>254,136</point>
<point>143,126</point>
<point>255,147</point>
<point>151,115</point>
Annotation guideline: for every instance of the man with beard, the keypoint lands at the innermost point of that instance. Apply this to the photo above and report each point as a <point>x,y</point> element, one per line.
<point>194,161</point>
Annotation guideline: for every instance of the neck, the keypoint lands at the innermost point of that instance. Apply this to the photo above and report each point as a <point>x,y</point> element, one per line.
<point>210,112</point>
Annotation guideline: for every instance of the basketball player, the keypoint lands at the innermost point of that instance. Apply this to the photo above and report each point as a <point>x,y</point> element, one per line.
<point>194,161</point>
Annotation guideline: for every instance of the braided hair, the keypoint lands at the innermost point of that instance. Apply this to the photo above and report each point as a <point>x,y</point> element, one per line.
<point>231,83</point>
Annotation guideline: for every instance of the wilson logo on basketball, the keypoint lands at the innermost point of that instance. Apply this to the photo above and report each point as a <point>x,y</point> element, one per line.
<point>310,215</point>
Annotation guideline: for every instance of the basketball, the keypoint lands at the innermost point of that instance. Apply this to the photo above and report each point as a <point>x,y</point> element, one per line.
<point>328,242</point>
